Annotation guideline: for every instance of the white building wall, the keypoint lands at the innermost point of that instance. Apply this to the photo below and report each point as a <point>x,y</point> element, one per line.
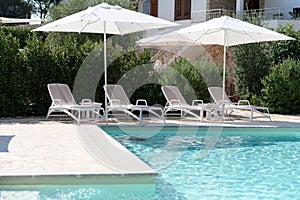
<point>239,7</point>
<point>285,6</point>
<point>198,5</point>
<point>198,9</point>
<point>166,9</point>
<point>274,24</point>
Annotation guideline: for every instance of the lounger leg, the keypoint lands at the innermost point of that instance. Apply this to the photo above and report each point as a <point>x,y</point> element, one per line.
<point>141,115</point>
<point>78,120</point>
<point>162,115</point>
<point>201,115</point>
<point>48,114</point>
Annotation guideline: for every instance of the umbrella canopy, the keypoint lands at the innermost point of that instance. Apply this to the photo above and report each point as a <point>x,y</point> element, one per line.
<point>225,31</point>
<point>106,19</point>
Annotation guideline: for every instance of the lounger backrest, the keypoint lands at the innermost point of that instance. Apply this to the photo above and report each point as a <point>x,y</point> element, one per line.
<point>61,92</point>
<point>173,93</point>
<point>217,94</point>
<point>116,92</point>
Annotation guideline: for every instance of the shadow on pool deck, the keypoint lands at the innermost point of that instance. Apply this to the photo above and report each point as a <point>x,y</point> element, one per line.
<point>4,142</point>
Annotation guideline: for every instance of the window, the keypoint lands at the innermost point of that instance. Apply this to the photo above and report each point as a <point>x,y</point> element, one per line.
<point>150,7</point>
<point>182,9</point>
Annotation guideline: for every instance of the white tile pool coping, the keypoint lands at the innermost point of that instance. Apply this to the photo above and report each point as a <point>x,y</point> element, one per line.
<point>51,152</point>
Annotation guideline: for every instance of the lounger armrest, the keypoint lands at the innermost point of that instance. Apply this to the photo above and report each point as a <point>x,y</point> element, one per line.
<point>90,102</point>
<point>86,102</point>
<point>243,101</point>
<point>141,100</point>
<point>115,102</point>
<point>174,102</point>
<point>197,102</point>
<point>97,104</point>
<point>56,102</point>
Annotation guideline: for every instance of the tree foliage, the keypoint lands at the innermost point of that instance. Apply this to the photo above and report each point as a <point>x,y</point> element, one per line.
<point>44,60</point>
<point>13,98</point>
<point>57,57</point>
<point>282,50</point>
<point>251,64</point>
<point>42,7</point>
<point>281,87</point>
<point>192,77</point>
<point>15,9</point>
<point>21,33</point>
<point>48,61</point>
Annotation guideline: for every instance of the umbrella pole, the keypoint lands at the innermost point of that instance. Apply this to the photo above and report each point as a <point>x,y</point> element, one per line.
<point>224,72</point>
<point>224,64</point>
<point>105,72</point>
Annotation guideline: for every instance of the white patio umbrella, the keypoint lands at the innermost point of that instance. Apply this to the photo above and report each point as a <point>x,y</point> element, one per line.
<point>225,31</point>
<point>106,19</point>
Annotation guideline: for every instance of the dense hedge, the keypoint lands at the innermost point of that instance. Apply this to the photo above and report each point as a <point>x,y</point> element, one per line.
<point>192,77</point>
<point>13,98</point>
<point>282,87</point>
<point>50,58</point>
<point>253,63</point>
<point>21,33</point>
<point>25,73</point>
<point>57,57</point>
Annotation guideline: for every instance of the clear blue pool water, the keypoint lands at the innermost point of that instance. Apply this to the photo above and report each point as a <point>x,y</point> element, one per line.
<point>240,163</point>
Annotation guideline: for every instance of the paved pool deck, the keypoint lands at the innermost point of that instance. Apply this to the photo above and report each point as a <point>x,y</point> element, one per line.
<point>41,152</point>
<point>36,151</point>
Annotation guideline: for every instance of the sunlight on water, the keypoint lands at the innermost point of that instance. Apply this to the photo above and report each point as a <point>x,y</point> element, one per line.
<point>244,164</point>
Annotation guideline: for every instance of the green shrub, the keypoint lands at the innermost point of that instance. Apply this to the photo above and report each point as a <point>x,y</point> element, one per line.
<point>281,87</point>
<point>48,61</point>
<point>13,101</point>
<point>252,63</point>
<point>21,33</point>
<point>193,78</point>
<point>282,50</point>
<point>41,69</point>
<point>136,75</point>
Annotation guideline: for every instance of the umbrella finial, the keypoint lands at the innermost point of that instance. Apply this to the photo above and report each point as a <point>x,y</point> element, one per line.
<point>105,5</point>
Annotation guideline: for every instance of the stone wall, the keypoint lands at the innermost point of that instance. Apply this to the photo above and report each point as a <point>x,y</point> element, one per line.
<point>221,4</point>
<point>229,4</point>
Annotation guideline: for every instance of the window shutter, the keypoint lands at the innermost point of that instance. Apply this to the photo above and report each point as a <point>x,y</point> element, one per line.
<point>154,8</point>
<point>187,9</point>
<point>182,9</point>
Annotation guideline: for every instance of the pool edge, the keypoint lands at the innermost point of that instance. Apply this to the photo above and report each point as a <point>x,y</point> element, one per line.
<point>79,179</point>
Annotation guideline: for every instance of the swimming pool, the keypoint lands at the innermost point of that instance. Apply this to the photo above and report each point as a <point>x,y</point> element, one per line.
<point>243,163</point>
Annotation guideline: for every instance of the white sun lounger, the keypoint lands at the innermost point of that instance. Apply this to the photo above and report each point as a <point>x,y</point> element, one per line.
<point>176,102</point>
<point>118,101</point>
<point>242,105</point>
<point>63,101</point>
